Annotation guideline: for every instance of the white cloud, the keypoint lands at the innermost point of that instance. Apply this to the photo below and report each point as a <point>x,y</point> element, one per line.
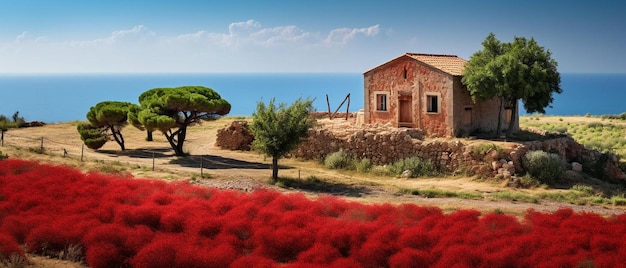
<point>243,28</point>
<point>138,34</point>
<point>243,46</point>
<point>21,37</point>
<point>344,35</point>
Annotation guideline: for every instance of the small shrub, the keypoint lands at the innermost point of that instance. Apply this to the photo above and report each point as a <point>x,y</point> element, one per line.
<point>595,125</point>
<point>484,148</point>
<point>418,166</point>
<point>560,130</point>
<point>363,165</point>
<point>338,160</point>
<point>618,200</point>
<point>588,190</point>
<point>381,171</point>
<point>3,156</point>
<point>10,251</point>
<point>545,167</point>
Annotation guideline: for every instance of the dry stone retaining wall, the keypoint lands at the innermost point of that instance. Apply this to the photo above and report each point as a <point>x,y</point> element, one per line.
<point>383,144</point>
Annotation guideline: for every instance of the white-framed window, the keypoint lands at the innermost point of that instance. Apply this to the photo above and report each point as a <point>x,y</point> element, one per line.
<point>381,102</point>
<point>433,103</point>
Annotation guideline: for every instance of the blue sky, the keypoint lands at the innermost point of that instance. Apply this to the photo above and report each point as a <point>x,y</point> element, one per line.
<point>113,36</point>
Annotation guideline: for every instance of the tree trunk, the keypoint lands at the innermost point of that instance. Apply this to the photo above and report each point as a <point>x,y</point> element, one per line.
<point>177,144</point>
<point>497,135</point>
<point>170,139</point>
<point>512,120</point>
<point>117,135</point>
<point>275,169</point>
<point>182,135</point>
<point>148,135</point>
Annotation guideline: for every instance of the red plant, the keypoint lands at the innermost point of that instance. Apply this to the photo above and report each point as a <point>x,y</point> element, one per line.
<point>9,247</point>
<point>124,222</point>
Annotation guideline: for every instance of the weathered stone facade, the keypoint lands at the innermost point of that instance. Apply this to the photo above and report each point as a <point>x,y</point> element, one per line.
<point>425,91</point>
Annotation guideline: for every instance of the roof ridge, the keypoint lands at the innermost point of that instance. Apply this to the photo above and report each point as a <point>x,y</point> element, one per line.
<point>432,55</point>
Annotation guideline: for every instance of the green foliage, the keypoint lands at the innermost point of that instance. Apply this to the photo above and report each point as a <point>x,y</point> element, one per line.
<point>278,129</point>
<point>338,160</point>
<point>381,171</point>
<point>484,148</point>
<point>3,156</point>
<point>165,109</point>
<point>93,137</point>
<point>343,160</point>
<point>603,137</point>
<point>545,167</point>
<point>586,189</point>
<point>364,165</point>
<point>16,121</point>
<point>520,70</point>
<point>109,113</point>
<point>418,167</point>
<point>618,200</point>
<point>110,116</point>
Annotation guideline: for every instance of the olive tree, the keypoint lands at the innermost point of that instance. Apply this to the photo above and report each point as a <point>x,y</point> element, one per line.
<point>172,110</point>
<point>106,119</point>
<point>278,129</point>
<point>520,70</point>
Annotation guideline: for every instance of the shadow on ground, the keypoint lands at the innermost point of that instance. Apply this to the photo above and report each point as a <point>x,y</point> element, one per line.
<point>315,185</point>
<point>218,162</point>
<point>141,152</point>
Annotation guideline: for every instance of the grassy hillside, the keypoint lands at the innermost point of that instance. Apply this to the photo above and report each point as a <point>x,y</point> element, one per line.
<point>605,134</point>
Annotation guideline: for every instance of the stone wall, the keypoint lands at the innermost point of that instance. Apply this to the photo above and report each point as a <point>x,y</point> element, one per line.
<point>593,162</point>
<point>384,144</point>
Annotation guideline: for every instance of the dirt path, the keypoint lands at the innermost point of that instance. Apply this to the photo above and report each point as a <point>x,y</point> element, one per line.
<point>248,170</point>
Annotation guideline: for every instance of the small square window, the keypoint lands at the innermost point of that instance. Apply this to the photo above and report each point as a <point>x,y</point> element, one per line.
<point>432,104</point>
<point>381,102</point>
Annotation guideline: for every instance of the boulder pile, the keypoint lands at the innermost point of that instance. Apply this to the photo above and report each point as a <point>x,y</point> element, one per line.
<point>237,136</point>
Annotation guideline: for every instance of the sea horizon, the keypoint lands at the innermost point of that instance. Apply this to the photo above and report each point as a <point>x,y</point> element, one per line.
<point>63,97</point>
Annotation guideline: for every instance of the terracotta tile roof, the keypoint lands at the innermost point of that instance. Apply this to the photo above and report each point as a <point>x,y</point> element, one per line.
<point>450,64</point>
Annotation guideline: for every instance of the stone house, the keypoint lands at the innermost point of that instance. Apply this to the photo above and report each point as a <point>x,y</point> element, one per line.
<point>425,91</point>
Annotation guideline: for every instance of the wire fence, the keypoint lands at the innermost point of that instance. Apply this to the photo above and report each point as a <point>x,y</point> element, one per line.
<point>77,150</point>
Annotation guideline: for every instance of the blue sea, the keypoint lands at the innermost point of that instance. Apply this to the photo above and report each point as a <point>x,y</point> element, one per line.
<point>61,98</point>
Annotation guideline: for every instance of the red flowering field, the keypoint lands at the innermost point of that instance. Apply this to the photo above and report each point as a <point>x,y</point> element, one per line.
<point>125,222</point>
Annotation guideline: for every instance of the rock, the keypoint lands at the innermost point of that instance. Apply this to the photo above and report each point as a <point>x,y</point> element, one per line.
<point>495,165</point>
<point>509,167</point>
<point>407,174</point>
<point>577,167</point>
<point>514,182</point>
